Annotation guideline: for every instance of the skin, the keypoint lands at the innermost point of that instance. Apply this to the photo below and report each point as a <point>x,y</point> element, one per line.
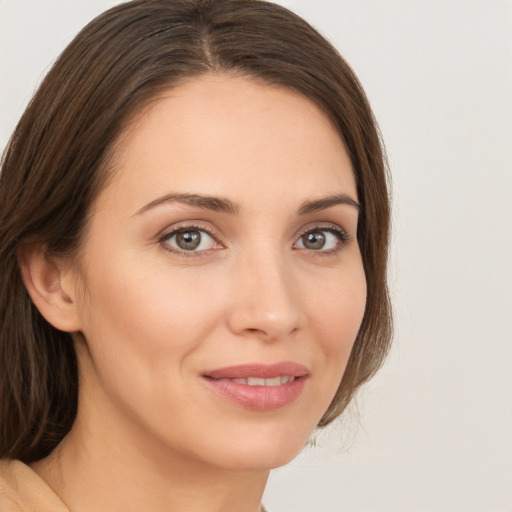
<point>149,319</point>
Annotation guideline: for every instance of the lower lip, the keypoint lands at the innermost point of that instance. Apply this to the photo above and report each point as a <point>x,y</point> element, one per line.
<point>259,398</point>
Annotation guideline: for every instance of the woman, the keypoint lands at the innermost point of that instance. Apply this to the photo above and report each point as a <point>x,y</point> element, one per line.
<point>193,241</point>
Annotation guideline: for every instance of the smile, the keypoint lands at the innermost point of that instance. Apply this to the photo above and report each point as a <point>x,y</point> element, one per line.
<point>259,381</point>
<point>259,387</point>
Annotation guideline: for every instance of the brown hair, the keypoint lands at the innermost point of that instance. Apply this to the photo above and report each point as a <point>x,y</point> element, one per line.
<point>57,161</point>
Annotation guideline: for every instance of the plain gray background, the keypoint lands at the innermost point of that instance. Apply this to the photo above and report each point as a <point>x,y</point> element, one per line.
<point>433,431</point>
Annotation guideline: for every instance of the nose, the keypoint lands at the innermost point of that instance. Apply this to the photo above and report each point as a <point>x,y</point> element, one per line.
<point>266,301</point>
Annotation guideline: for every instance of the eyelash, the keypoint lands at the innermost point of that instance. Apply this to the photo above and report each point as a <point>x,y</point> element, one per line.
<point>342,236</point>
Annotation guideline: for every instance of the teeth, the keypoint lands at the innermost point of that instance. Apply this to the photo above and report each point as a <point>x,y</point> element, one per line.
<point>276,381</point>
<point>255,381</point>
<point>258,381</point>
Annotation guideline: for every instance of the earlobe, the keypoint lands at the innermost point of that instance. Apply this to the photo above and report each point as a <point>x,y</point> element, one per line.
<point>49,286</point>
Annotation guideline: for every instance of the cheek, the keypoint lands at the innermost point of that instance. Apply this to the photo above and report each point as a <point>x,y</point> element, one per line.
<point>139,319</point>
<point>143,328</point>
<point>342,301</point>
<point>336,314</point>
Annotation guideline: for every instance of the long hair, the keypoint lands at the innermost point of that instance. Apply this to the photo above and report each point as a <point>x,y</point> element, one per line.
<point>57,160</point>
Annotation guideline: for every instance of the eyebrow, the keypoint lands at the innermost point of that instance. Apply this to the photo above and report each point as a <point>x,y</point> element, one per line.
<point>216,204</point>
<point>224,205</point>
<point>327,202</point>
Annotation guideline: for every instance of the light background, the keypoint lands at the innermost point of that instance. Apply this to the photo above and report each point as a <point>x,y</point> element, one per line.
<point>434,428</point>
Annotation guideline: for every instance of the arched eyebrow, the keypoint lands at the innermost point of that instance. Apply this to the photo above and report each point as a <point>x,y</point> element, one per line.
<point>323,203</point>
<point>217,204</point>
<point>224,205</point>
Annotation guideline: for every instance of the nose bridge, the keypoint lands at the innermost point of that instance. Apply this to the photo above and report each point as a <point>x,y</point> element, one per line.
<point>267,302</point>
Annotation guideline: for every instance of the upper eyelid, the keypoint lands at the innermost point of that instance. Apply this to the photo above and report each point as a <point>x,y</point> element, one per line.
<point>191,225</point>
<point>324,226</point>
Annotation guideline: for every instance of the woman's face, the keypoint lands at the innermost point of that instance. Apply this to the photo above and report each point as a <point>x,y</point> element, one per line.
<point>224,282</point>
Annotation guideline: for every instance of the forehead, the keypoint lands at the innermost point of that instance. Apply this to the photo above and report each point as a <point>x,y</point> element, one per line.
<point>230,135</point>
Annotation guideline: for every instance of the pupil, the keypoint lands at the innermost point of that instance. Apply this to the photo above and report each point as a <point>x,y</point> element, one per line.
<point>188,240</point>
<point>315,240</point>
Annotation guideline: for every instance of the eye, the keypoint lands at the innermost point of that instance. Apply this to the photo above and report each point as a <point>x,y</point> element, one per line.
<point>189,240</point>
<point>322,239</point>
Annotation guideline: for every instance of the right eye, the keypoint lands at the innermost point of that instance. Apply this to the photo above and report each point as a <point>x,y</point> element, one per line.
<point>190,239</point>
<point>323,240</point>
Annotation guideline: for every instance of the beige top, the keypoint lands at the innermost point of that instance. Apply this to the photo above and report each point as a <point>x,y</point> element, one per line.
<point>23,490</point>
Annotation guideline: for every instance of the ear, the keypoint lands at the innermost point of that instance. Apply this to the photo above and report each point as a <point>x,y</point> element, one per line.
<point>51,285</point>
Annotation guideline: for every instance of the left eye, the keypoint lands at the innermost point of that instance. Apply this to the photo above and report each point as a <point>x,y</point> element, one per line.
<point>190,240</point>
<point>319,240</point>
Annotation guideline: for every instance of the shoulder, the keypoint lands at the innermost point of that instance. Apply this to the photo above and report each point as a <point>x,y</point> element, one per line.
<point>23,490</point>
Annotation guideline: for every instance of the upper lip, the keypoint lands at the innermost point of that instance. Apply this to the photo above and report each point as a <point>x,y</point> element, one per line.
<point>265,371</point>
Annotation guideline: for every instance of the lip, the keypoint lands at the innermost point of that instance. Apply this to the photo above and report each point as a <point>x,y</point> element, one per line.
<point>258,398</point>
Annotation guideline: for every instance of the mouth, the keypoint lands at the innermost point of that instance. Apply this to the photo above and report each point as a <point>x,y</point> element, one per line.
<point>260,381</point>
<point>259,387</point>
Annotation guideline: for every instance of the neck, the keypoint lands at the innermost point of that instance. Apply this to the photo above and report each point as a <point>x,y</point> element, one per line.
<point>98,467</point>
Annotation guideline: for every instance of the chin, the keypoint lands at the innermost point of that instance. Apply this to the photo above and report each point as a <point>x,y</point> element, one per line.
<point>265,450</point>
